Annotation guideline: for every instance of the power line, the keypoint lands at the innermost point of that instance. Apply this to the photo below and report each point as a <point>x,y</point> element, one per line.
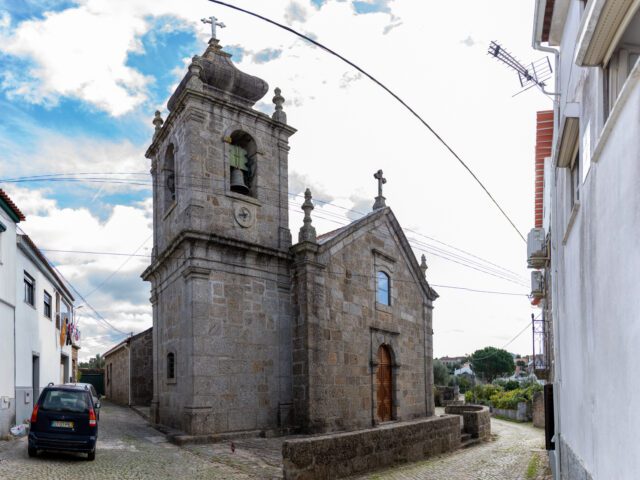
<point>499,272</point>
<point>389,91</point>
<point>119,268</point>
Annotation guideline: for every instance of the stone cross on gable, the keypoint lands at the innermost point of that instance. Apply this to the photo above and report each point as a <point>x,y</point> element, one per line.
<point>214,23</point>
<point>380,200</point>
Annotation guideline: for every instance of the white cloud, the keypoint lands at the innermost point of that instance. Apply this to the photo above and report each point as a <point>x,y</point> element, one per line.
<point>123,299</point>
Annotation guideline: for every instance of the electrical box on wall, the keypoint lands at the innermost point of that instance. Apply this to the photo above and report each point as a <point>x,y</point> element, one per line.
<point>27,396</point>
<point>536,248</point>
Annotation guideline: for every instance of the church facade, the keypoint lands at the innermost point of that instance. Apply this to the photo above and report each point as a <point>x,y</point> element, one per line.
<point>250,332</point>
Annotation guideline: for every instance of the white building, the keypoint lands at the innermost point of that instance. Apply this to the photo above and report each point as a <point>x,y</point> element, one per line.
<point>593,278</point>
<point>10,215</point>
<point>36,314</point>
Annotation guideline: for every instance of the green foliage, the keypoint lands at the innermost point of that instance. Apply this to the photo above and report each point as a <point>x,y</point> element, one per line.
<point>521,363</point>
<point>510,399</point>
<point>440,373</point>
<point>96,362</point>
<point>491,362</point>
<point>464,383</point>
<point>507,384</point>
<point>482,393</point>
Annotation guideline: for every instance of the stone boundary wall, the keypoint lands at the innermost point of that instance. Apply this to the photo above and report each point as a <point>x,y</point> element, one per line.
<point>538,410</point>
<point>476,418</point>
<point>343,454</point>
<point>522,414</point>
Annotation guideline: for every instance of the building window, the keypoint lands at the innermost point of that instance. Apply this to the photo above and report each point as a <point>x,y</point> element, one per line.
<point>575,180</point>
<point>383,292</point>
<point>171,366</point>
<point>243,153</point>
<point>621,63</point>
<point>29,289</point>
<point>47,305</point>
<point>169,178</point>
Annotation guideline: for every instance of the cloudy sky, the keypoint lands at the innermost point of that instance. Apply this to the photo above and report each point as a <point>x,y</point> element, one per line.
<point>80,80</point>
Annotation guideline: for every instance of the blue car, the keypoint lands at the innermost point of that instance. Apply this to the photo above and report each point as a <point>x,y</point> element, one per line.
<point>64,419</point>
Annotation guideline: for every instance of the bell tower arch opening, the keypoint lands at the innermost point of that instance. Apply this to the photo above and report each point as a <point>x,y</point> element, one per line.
<point>243,165</point>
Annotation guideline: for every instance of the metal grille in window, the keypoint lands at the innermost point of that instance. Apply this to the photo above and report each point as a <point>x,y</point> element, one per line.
<point>171,366</point>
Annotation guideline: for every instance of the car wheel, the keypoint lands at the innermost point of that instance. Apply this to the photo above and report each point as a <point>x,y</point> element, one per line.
<point>33,452</point>
<point>91,455</point>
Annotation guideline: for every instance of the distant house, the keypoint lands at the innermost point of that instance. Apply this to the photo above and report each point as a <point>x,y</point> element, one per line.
<point>452,361</point>
<point>39,337</point>
<point>465,369</point>
<point>128,368</point>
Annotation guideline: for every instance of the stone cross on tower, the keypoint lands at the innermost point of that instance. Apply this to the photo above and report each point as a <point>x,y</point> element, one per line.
<point>214,23</point>
<point>379,203</point>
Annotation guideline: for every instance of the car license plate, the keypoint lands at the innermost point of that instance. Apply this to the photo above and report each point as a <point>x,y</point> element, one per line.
<point>60,424</point>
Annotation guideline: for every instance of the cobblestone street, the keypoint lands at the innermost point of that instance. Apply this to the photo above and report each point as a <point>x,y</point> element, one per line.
<point>128,448</point>
<point>508,457</point>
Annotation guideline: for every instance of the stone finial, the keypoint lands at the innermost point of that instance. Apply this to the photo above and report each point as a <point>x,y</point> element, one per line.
<point>423,265</point>
<point>307,232</point>
<point>157,122</point>
<point>380,200</point>
<point>279,115</point>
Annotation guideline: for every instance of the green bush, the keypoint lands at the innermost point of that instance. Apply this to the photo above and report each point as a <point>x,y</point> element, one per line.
<point>482,393</point>
<point>509,399</point>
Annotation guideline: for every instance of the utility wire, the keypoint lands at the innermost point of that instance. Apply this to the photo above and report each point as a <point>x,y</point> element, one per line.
<point>385,88</point>
<point>498,271</point>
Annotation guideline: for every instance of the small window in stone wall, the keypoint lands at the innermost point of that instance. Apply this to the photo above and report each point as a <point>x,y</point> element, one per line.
<point>171,366</point>
<point>383,291</point>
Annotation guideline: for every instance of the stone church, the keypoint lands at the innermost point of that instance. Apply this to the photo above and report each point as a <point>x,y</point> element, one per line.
<point>252,332</point>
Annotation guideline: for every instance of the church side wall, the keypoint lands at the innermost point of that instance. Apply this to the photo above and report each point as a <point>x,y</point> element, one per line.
<point>350,326</point>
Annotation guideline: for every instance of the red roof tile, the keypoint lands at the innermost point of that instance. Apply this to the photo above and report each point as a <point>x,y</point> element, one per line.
<point>12,206</point>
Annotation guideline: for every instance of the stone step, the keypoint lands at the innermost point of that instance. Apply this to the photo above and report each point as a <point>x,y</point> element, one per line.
<point>469,442</point>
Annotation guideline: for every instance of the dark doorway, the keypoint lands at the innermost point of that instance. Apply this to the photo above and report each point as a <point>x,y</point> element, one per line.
<point>384,385</point>
<point>35,377</point>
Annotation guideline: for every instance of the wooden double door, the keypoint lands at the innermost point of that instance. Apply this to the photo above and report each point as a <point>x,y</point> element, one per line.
<point>384,385</point>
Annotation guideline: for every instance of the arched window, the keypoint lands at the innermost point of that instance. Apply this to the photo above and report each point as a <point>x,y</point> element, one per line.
<point>383,290</point>
<point>168,184</point>
<point>242,163</point>
<point>171,366</point>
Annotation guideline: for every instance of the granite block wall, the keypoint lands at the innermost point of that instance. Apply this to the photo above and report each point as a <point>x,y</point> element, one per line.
<point>343,454</point>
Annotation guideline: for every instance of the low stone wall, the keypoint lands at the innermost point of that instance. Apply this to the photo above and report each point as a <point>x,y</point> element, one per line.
<point>343,454</point>
<point>522,414</point>
<point>538,410</point>
<point>476,419</point>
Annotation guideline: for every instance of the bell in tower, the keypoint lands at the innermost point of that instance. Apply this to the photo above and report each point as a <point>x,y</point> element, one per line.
<point>220,274</point>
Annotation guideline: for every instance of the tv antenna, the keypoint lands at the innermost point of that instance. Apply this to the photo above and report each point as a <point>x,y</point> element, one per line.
<point>533,75</point>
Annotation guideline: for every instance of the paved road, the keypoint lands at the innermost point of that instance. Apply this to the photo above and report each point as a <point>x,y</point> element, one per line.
<point>506,457</point>
<point>128,448</point>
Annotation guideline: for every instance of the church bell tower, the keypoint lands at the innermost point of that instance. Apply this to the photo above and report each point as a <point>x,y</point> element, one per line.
<point>220,271</point>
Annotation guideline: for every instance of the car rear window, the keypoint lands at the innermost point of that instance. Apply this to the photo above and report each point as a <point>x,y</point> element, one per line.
<point>65,401</point>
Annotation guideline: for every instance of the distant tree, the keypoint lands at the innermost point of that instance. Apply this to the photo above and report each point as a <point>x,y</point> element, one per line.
<point>492,362</point>
<point>521,363</point>
<point>440,373</point>
<point>96,362</point>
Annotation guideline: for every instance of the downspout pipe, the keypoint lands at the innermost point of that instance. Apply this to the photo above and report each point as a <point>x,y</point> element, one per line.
<point>538,16</point>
